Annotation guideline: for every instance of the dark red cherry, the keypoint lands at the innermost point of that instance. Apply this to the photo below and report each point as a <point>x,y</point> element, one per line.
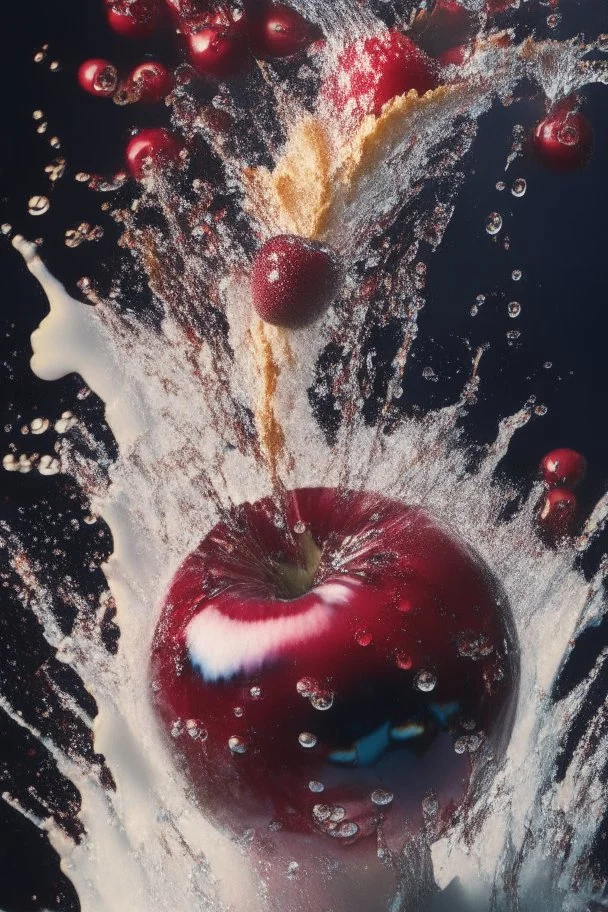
<point>563,467</point>
<point>134,18</point>
<point>563,141</point>
<point>151,81</point>
<point>98,77</point>
<point>280,31</point>
<point>152,149</point>
<point>293,281</point>
<point>372,71</point>
<point>323,665</point>
<point>557,513</point>
<point>217,52</point>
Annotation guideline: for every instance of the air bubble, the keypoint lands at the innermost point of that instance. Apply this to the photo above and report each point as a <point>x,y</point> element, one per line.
<point>425,681</point>
<point>494,223</point>
<point>519,187</point>
<point>307,740</point>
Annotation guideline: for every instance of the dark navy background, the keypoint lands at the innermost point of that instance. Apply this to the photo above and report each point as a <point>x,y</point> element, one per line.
<point>559,239</point>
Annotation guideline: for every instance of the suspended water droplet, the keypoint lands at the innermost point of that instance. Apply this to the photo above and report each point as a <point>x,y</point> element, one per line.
<point>196,730</point>
<point>316,787</point>
<point>322,700</point>
<point>514,309</point>
<point>299,528</point>
<point>382,798</point>
<point>519,187</point>
<point>467,744</point>
<point>403,660</point>
<point>516,275</point>
<point>425,681</point>
<point>364,638</point>
<point>494,223</point>
<point>306,687</point>
<point>255,693</point>
<point>430,807</point>
<point>500,186</point>
<point>177,728</point>
<point>321,811</point>
<point>338,813</point>
<point>237,745</point>
<point>6,228</point>
<point>38,205</point>
<point>292,868</point>
<point>346,830</point>
<point>238,711</point>
<point>307,740</point>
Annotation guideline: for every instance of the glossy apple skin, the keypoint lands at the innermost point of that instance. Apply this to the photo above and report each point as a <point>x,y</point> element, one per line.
<point>151,81</point>
<point>278,30</point>
<point>563,141</point>
<point>563,467</point>
<point>155,148</point>
<point>98,77</point>
<point>372,71</point>
<point>293,281</point>
<point>396,598</point>
<point>139,19</point>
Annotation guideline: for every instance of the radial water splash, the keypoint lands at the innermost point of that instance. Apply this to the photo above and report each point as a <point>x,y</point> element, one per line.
<point>213,408</point>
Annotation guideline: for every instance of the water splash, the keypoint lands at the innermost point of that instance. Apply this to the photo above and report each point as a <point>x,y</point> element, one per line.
<point>212,408</point>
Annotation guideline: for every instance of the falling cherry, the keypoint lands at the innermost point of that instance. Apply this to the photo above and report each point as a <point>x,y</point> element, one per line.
<point>98,77</point>
<point>563,467</point>
<point>280,31</point>
<point>563,141</point>
<point>153,149</point>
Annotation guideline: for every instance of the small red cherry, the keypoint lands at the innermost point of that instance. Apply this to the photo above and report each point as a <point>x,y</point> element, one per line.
<point>372,71</point>
<point>151,81</point>
<point>134,18</point>
<point>557,513</point>
<point>152,148</point>
<point>563,467</point>
<point>217,52</point>
<point>563,141</point>
<point>293,281</point>
<point>98,77</point>
<point>280,31</point>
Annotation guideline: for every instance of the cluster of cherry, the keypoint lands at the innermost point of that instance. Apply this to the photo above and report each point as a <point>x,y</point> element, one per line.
<point>294,280</point>
<point>562,470</point>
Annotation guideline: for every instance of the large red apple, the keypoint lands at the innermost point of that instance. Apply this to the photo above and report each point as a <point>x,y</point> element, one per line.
<point>323,666</point>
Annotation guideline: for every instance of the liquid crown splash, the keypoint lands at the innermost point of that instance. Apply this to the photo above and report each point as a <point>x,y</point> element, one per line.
<point>211,408</point>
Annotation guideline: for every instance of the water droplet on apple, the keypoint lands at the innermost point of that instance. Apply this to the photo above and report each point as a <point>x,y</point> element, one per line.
<point>425,681</point>
<point>321,812</point>
<point>316,787</point>
<point>255,693</point>
<point>364,638</point>
<point>381,798</point>
<point>195,730</point>
<point>177,728</point>
<point>237,745</point>
<point>346,830</point>
<point>307,739</point>
<point>306,687</point>
<point>299,528</point>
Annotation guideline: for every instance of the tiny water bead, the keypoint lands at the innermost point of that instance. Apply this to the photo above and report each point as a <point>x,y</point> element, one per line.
<point>494,223</point>
<point>322,700</point>
<point>299,528</point>
<point>425,681</point>
<point>514,309</point>
<point>306,687</point>
<point>307,740</point>
<point>519,187</point>
<point>255,693</point>
<point>316,787</point>
<point>237,745</point>
<point>38,205</point>
<point>382,798</point>
<point>516,275</point>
